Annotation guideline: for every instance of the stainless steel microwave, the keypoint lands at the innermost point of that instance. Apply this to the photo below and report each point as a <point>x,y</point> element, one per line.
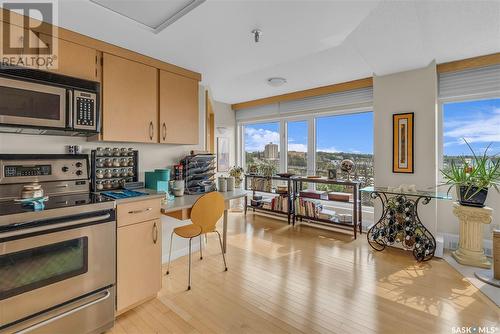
<point>42,100</point>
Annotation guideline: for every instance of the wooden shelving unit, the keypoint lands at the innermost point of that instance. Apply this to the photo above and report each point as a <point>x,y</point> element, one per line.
<point>272,191</point>
<point>356,203</point>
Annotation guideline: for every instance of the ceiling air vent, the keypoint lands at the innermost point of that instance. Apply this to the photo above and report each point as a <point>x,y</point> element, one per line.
<point>153,14</point>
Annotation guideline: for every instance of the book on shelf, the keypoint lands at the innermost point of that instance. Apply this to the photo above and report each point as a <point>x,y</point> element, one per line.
<point>339,197</point>
<point>327,214</point>
<point>276,203</point>
<point>309,208</point>
<point>316,194</point>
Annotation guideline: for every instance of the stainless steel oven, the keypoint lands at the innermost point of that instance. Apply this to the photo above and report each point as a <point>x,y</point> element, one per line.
<point>37,99</point>
<point>57,273</point>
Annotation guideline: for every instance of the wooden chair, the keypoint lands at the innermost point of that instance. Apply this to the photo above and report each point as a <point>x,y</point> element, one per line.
<point>205,214</point>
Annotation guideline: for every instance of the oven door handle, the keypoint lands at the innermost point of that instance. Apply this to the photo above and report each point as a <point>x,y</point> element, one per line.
<point>65,314</point>
<point>54,226</point>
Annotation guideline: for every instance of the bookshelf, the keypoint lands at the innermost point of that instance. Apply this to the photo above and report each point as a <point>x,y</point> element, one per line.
<point>307,205</point>
<point>270,194</point>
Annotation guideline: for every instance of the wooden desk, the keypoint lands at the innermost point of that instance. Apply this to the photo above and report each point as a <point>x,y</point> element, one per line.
<point>180,208</point>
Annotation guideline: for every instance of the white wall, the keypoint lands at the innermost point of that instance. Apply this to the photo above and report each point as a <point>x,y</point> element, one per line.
<point>151,156</point>
<point>416,91</point>
<point>225,126</point>
<point>411,91</point>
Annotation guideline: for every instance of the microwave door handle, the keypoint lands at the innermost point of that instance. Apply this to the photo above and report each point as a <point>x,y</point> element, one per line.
<point>70,108</point>
<point>53,226</point>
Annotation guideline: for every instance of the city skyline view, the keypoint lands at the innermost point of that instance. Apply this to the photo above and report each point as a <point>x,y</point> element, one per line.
<point>341,133</point>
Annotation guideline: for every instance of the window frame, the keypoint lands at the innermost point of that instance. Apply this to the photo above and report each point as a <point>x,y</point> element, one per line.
<point>310,117</point>
<point>440,121</point>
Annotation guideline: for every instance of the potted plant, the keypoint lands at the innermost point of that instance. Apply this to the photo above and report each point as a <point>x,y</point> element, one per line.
<point>473,177</point>
<point>237,173</point>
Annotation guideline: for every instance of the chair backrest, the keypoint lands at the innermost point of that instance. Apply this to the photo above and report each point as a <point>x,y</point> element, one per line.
<point>207,211</point>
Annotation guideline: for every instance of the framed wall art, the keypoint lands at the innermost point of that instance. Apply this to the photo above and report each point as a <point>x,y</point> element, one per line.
<point>402,143</point>
<point>222,154</point>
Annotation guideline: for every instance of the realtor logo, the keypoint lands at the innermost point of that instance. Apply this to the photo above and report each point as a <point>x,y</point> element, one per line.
<point>29,34</point>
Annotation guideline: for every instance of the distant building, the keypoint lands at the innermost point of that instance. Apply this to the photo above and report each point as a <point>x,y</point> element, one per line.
<point>271,151</point>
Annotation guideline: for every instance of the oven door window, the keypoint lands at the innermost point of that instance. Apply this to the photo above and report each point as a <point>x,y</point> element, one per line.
<point>38,267</point>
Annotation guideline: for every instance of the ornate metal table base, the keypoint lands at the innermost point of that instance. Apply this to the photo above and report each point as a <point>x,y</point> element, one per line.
<point>400,224</point>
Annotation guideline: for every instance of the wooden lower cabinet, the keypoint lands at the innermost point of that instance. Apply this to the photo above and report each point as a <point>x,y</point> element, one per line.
<point>139,273</point>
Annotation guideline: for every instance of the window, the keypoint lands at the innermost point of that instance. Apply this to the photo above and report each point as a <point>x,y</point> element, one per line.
<point>345,137</point>
<point>262,146</point>
<point>297,147</point>
<point>478,122</point>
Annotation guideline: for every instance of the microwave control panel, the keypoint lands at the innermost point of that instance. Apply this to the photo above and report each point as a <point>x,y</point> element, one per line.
<point>85,111</point>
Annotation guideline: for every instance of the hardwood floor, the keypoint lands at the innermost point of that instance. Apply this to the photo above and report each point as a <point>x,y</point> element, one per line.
<point>306,280</point>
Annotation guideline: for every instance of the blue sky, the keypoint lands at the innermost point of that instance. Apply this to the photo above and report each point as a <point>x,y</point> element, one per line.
<point>477,121</point>
<point>344,133</point>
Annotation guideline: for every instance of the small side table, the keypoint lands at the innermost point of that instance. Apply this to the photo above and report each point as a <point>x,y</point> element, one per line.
<point>470,246</point>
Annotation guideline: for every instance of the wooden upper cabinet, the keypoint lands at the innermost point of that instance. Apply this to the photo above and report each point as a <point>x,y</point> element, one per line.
<point>179,112</point>
<point>75,60</point>
<point>17,46</point>
<point>130,101</point>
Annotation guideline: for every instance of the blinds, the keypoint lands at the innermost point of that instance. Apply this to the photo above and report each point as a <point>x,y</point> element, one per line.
<point>348,99</point>
<point>484,80</point>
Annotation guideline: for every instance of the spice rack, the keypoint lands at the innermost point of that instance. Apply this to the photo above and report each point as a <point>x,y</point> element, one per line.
<point>113,168</point>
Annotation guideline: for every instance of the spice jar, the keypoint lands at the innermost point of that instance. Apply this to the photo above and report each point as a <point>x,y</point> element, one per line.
<point>130,152</point>
<point>99,152</point>
<point>116,173</point>
<point>123,172</point>
<point>107,152</point>
<point>131,162</point>
<point>107,184</point>
<point>99,185</point>
<point>107,174</point>
<point>116,152</point>
<point>116,162</point>
<point>130,172</point>
<point>99,163</point>
<point>99,174</point>
<point>124,162</point>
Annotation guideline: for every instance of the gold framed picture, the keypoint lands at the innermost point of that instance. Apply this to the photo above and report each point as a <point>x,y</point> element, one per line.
<point>402,143</point>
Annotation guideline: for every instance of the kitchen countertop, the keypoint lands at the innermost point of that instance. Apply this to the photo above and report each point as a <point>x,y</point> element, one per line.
<point>152,194</point>
<point>187,201</point>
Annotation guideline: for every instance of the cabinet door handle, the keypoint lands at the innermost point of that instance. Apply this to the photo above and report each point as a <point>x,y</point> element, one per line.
<point>155,233</point>
<point>164,131</point>
<point>151,130</point>
<point>133,212</point>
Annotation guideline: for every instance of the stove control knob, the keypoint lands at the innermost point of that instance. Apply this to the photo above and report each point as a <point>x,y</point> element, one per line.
<point>65,169</point>
<point>78,164</point>
<point>79,172</point>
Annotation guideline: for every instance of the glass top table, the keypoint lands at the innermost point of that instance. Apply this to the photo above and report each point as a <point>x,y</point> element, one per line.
<point>400,223</point>
<point>417,193</point>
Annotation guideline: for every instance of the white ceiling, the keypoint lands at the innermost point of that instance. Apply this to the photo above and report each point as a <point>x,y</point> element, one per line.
<point>310,43</point>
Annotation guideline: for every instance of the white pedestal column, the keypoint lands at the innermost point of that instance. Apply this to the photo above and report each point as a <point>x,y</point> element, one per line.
<point>470,247</point>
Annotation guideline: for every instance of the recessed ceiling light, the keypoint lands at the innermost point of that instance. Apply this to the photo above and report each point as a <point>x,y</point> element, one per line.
<point>276,82</point>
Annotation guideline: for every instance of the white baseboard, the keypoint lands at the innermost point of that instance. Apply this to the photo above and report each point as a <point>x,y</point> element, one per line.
<point>177,253</point>
<point>451,243</point>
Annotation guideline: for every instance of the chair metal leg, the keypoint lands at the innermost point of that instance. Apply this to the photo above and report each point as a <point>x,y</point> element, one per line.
<point>189,274</point>
<point>201,250</point>
<point>170,252</point>
<point>222,250</point>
